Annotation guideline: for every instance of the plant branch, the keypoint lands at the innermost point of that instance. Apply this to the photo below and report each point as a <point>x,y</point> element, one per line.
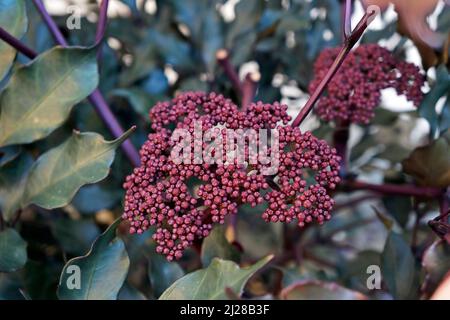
<point>96,98</point>
<point>350,42</point>
<point>346,18</point>
<point>404,190</point>
<point>353,202</point>
<point>340,139</point>
<point>54,30</point>
<point>17,44</point>
<point>223,58</point>
<point>249,88</point>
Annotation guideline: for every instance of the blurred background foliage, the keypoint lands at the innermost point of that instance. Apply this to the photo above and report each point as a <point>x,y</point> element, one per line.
<point>153,50</point>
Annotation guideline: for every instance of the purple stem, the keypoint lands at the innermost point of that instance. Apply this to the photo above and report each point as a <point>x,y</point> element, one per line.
<point>17,44</point>
<point>54,30</point>
<point>105,113</point>
<point>95,98</point>
<point>347,18</point>
<point>223,58</point>
<point>249,89</point>
<point>101,26</point>
<point>340,139</point>
<point>349,44</point>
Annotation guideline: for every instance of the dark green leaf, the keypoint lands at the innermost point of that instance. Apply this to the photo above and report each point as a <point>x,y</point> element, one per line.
<point>13,251</point>
<point>58,174</point>
<point>163,273</point>
<point>130,293</point>
<point>398,267</point>
<point>427,108</point>
<point>430,165</point>
<point>355,273</point>
<point>75,236</point>
<point>138,99</point>
<point>103,270</point>
<point>92,198</point>
<point>51,85</point>
<point>13,177</point>
<point>217,246</point>
<point>398,207</point>
<point>13,18</point>
<point>210,283</point>
<point>8,154</point>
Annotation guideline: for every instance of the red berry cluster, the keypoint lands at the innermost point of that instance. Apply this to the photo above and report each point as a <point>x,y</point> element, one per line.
<point>355,91</point>
<point>161,193</point>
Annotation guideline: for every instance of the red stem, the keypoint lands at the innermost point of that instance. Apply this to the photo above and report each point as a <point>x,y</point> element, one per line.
<point>249,89</point>
<point>347,18</point>
<point>350,42</point>
<point>223,58</point>
<point>405,190</point>
<point>340,139</point>
<point>353,202</point>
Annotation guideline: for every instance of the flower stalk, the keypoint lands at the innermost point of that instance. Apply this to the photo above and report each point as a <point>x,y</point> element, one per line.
<point>393,189</point>
<point>349,43</point>
<point>249,88</point>
<point>223,58</point>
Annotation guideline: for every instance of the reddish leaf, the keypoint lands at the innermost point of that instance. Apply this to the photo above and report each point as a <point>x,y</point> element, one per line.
<point>412,22</point>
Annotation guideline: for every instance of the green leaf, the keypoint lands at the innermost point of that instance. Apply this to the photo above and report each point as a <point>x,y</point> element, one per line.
<point>93,198</point>
<point>13,177</point>
<point>210,283</point>
<point>39,96</point>
<point>13,251</point>
<point>444,118</point>
<point>8,154</point>
<point>398,207</point>
<point>163,273</point>
<point>427,108</point>
<point>58,174</point>
<point>128,292</point>
<point>397,267</point>
<point>103,270</point>
<point>217,246</point>
<point>248,14</point>
<point>13,18</point>
<point>430,165</point>
<point>138,99</point>
<point>212,38</point>
<point>75,236</point>
<point>319,290</point>
<point>354,272</point>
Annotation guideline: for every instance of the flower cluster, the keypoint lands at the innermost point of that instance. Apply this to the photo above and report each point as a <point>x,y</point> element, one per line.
<point>355,91</point>
<point>184,200</point>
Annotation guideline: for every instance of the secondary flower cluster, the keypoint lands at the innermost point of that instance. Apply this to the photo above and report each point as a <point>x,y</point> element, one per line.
<point>355,90</point>
<point>183,201</point>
